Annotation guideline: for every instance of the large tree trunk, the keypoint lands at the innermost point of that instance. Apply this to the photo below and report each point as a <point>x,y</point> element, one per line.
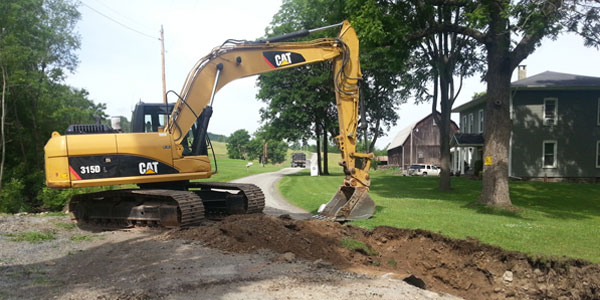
<point>318,139</point>
<point>2,134</point>
<point>372,144</point>
<point>495,190</point>
<point>325,153</point>
<point>444,127</point>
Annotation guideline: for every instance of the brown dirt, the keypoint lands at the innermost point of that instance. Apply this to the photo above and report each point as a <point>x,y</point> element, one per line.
<point>465,268</point>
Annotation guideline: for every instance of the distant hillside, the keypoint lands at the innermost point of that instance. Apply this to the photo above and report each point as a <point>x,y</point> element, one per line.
<point>217,137</point>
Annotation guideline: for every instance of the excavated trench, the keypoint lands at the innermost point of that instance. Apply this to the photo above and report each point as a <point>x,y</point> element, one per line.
<point>465,268</point>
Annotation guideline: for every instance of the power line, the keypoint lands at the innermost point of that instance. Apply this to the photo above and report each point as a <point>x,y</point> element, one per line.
<point>111,19</point>
<point>122,15</point>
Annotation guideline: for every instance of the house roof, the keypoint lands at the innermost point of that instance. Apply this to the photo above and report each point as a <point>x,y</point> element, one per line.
<point>550,79</point>
<point>470,104</point>
<point>545,80</point>
<point>467,139</point>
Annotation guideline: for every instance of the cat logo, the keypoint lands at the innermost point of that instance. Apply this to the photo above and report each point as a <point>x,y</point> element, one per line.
<point>283,59</point>
<point>148,168</point>
<point>276,59</point>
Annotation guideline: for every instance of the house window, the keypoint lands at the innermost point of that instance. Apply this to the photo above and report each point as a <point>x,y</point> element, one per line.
<point>471,123</point>
<point>598,154</point>
<point>550,111</point>
<point>598,111</point>
<point>480,121</point>
<point>420,155</point>
<point>549,158</point>
<point>464,124</point>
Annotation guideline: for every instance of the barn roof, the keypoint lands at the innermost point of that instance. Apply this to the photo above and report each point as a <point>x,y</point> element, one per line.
<point>404,134</point>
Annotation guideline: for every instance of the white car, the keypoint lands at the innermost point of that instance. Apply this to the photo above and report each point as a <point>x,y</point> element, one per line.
<point>423,170</point>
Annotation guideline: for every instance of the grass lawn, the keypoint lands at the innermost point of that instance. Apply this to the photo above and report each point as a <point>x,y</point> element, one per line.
<point>230,169</point>
<point>552,219</point>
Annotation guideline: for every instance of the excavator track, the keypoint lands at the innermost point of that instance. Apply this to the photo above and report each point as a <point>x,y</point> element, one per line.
<point>128,208</point>
<point>255,199</point>
<point>165,207</point>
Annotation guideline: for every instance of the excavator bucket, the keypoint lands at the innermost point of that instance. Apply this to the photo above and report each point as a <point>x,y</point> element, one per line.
<point>349,203</point>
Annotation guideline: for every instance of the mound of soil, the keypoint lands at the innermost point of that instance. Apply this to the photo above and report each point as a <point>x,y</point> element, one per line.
<point>465,268</point>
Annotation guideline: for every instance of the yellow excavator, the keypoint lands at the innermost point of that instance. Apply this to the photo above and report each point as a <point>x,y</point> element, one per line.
<point>164,161</point>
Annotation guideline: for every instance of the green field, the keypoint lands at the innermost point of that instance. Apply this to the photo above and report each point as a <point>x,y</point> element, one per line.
<point>230,169</point>
<point>558,219</point>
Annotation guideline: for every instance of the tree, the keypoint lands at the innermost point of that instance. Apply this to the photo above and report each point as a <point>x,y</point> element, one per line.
<point>37,47</point>
<point>509,32</point>
<point>382,55</point>
<point>436,65</point>
<point>277,151</point>
<point>309,91</point>
<point>237,147</point>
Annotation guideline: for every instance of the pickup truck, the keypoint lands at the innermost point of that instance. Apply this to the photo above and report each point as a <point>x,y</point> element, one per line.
<point>423,170</point>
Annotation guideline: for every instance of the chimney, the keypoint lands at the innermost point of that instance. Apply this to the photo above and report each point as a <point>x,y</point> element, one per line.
<point>522,72</point>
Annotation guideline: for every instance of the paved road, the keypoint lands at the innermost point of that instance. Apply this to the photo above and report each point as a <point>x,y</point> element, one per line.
<point>275,204</point>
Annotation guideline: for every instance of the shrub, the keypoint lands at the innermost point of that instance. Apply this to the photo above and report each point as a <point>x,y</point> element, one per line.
<point>53,199</point>
<point>11,197</point>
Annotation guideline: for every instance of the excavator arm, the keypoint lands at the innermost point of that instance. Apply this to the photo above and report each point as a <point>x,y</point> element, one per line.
<point>237,60</point>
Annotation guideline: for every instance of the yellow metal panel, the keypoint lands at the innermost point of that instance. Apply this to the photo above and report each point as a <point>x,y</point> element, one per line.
<point>57,172</point>
<point>192,164</point>
<point>154,145</point>
<point>91,144</point>
<point>56,146</point>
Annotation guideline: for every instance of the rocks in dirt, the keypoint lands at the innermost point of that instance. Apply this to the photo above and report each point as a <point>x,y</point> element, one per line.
<point>416,281</point>
<point>508,276</point>
<point>287,257</point>
<point>285,217</point>
<point>319,263</point>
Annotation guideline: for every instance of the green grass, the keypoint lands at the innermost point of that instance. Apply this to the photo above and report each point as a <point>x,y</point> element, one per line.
<point>230,169</point>
<point>65,226</point>
<point>52,214</point>
<point>358,246</point>
<point>556,219</point>
<point>81,238</point>
<point>32,237</point>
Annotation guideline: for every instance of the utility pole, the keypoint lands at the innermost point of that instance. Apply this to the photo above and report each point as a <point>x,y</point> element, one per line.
<point>164,82</point>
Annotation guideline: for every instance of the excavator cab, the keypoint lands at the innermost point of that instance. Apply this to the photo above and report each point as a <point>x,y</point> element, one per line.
<point>148,117</point>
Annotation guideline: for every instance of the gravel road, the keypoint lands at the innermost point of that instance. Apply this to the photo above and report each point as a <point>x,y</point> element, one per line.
<point>139,264</point>
<point>275,204</point>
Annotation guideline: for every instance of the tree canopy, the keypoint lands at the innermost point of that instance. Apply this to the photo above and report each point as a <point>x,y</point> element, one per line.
<point>37,48</point>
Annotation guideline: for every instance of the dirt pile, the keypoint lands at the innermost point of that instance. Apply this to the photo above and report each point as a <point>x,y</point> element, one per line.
<point>464,268</point>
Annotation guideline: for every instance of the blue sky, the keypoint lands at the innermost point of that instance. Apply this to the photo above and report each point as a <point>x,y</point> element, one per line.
<point>120,67</point>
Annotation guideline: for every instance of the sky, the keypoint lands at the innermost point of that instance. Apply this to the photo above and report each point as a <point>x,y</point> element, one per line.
<point>120,64</point>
